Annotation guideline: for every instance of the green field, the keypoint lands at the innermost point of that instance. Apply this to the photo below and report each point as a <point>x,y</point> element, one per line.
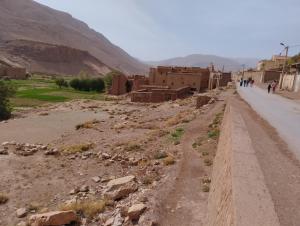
<point>37,91</point>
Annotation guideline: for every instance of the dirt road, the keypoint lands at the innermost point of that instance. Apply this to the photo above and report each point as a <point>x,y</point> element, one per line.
<point>280,167</point>
<point>283,114</point>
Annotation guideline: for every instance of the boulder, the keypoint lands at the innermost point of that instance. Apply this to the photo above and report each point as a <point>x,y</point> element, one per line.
<point>55,218</point>
<point>122,192</point>
<point>135,211</point>
<point>116,183</point>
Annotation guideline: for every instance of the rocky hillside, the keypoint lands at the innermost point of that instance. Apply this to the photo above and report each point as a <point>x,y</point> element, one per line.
<point>29,20</point>
<point>52,59</point>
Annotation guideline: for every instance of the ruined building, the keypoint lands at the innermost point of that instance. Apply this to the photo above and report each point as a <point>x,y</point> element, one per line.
<point>12,71</point>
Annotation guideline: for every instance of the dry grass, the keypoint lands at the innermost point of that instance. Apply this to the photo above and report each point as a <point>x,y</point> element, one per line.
<point>181,117</point>
<point>3,198</point>
<point>132,146</point>
<point>208,162</point>
<point>88,208</point>
<point>79,148</point>
<point>88,124</point>
<point>160,155</point>
<point>205,188</point>
<point>169,161</point>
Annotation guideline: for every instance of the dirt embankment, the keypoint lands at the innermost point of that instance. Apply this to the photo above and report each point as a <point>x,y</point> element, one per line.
<point>239,194</point>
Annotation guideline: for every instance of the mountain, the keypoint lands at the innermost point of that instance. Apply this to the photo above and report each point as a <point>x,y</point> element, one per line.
<point>29,20</point>
<point>51,59</point>
<point>200,60</point>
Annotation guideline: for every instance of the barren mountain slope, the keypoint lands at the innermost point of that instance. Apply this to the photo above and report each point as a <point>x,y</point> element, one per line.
<point>52,59</point>
<point>26,19</point>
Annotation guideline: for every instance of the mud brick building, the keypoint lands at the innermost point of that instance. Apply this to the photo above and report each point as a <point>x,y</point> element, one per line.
<point>262,76</point>
<point>137,81</point>
<point>11,72</point>
<point>177,77</point>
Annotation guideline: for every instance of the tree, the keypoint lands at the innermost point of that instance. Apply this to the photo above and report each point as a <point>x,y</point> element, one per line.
<point>6,91</point>
<point>85,84</point>
<point>108,78</point>
<point>61,83</point>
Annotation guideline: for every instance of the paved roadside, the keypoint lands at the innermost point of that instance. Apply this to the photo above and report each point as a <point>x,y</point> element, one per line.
<point>283,114</point>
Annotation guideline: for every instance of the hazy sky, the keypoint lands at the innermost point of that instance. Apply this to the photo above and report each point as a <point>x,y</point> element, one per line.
<point>159,29</point>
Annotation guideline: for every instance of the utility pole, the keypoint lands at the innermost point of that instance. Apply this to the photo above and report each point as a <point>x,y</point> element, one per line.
<point>285,64</point>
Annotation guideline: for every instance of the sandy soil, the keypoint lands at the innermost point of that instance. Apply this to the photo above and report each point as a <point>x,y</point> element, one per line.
<point>131,134</point>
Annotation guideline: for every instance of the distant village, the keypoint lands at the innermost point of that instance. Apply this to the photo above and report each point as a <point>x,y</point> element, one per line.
<point>165,83</point>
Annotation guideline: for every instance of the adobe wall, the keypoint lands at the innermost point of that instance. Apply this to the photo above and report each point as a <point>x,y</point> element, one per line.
<point>257,76</point>
<point>271,75</point>
<point>118,86</point>
<point>288,82</point>
<point>226,77</point>
<point>157,95</point>
<point>16,73</point>
<point>238,196</point>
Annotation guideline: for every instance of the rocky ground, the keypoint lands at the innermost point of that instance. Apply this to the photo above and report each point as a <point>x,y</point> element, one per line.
<point>128,167</point>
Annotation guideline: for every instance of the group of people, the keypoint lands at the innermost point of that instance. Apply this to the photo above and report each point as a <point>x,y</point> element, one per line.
<point>273,86</point>
<point>247,82</point>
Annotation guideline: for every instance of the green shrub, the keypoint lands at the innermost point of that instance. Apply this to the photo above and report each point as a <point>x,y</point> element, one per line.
<point>61,83</point>
<point>6,91</point>
<point>87,84</point>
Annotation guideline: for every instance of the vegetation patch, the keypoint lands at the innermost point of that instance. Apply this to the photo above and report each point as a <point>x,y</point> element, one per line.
<point>208,162</point>
<point>205,188</point>
<point>86,208</point>
<point>79,148</point>
<point>160,155</point>
<point>176,135</point>
<point>6,91</point>
<point>169,161</point>
<point>88,124</point>
<point>3,198</point>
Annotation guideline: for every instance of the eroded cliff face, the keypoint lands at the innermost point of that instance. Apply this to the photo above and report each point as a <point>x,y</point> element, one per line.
<point>51,59</point>
<point>29,20</point>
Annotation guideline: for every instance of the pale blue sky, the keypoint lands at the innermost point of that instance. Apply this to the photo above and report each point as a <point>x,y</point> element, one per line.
<point>159,29</point>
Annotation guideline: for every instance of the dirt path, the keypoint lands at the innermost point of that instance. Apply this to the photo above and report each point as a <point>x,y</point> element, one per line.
<point>280,167</point>
<point>186,203</point>
<point>44,129</point>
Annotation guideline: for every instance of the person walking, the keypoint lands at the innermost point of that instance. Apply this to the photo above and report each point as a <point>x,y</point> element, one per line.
<point>274,85</point>
<point>241,82</point>
<point>269,87</point>
<point>245,83</point>
<point>251,83</point>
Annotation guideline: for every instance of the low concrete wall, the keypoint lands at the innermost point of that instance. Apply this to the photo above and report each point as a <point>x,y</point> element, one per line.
<point>239,196</point>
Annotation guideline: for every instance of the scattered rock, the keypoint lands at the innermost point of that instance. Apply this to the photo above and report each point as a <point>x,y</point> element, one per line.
<point>84,188</point>
<point>118,220</point>
<point>22,223</point>
<point>55,218</point>
<point>122,192</point>
<point>22,212</point>
<point>3,152</point>
<point>116,183</point>
<point>135,211</point>
<point>96,179</point>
